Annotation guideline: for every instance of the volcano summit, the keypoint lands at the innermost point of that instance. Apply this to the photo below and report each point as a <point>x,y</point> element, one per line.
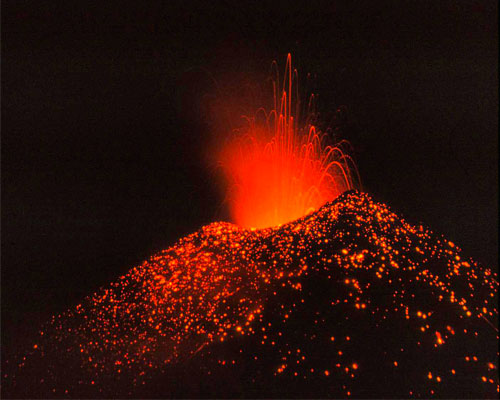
<point>350,300</point>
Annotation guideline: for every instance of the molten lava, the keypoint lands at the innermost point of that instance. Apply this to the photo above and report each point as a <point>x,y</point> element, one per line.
<point>277,170</point>
<point>350,300</point>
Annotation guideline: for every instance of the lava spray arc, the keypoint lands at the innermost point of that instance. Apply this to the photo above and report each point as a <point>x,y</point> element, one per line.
<point>278,168</point>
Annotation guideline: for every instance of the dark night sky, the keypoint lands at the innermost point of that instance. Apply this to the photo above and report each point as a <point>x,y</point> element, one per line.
<point>103,125</point>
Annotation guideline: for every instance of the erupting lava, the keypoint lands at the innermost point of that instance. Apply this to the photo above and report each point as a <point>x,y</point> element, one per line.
<point>348,300</point>
<point>278,170</point>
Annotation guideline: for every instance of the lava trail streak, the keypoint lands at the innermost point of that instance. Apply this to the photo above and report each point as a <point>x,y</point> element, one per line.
<point>350,300</point>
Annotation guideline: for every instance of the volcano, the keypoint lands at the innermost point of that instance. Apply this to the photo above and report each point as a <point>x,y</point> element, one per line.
<point>349,301</point>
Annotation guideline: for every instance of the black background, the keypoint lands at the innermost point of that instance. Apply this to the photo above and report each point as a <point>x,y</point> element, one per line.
<point>104,127</point>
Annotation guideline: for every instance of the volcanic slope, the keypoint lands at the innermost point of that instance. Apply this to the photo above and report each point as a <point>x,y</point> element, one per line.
<point>350,300</point>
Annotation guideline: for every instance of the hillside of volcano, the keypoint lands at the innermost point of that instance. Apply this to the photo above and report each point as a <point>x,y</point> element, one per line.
<point>348,301</point>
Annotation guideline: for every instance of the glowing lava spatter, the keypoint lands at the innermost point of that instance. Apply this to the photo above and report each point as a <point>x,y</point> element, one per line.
<point>278,169</point>
<point>350,300</point>
<point>343,299</point>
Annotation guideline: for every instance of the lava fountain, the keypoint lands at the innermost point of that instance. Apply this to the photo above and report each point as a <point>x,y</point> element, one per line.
<point>350,300</point>
<point>278,169</point>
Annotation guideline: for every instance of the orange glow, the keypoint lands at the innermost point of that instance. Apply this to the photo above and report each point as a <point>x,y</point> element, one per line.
<point>278,170</point>
<point>224,284</point>
<point>439,338</point>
